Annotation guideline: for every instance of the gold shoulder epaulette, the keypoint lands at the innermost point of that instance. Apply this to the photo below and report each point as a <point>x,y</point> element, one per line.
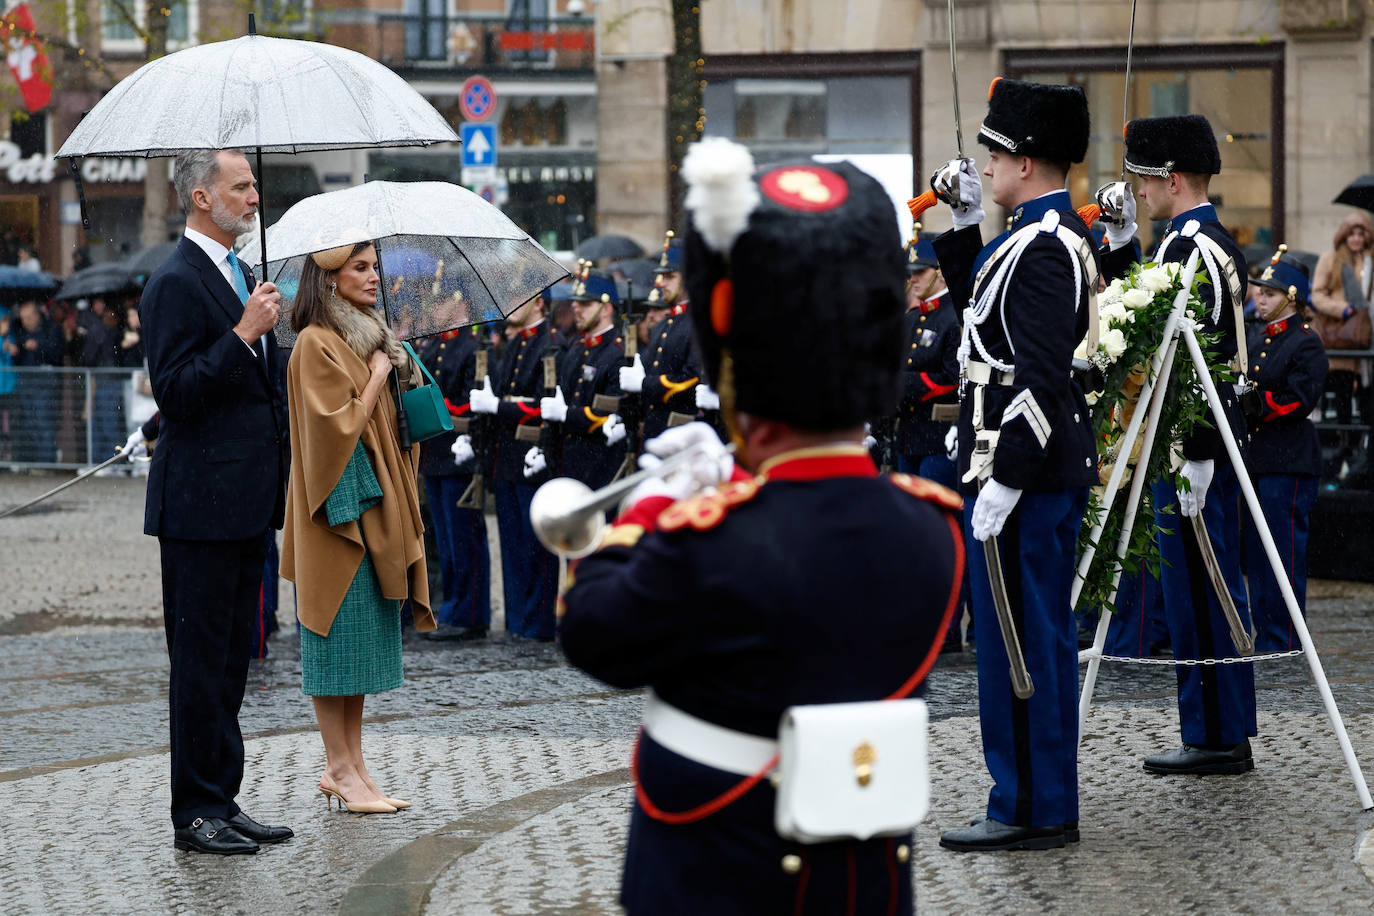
<point>928,490</point>
<point>706,511</point>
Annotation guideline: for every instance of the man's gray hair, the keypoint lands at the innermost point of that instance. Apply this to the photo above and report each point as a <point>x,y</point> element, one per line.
<point>197,168</point>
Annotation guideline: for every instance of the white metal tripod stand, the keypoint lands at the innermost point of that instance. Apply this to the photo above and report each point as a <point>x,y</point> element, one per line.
<point>1180,327</point>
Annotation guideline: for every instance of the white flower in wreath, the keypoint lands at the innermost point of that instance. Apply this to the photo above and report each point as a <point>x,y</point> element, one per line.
<point>1115,313</point>
<point>1115,288</point>
<point>1137,298</point>
<point>1081,352</point>
<point>1159,278</point>
<point>1112,343</point>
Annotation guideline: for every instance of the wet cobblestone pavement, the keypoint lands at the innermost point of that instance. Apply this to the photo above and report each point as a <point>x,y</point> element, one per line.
<point>517,768</point>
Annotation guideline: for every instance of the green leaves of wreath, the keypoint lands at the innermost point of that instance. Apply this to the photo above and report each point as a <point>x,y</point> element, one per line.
<point>1133,312</point>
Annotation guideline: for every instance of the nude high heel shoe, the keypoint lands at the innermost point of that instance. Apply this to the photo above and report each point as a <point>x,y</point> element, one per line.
<point>397,803</point>
<point>331,792</point>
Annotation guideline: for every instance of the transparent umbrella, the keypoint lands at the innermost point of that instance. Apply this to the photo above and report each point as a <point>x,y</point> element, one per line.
<point>448,258</point>
<point>269,95</point>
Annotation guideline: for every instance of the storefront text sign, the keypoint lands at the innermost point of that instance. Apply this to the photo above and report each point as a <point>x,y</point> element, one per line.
<point>19,169</point>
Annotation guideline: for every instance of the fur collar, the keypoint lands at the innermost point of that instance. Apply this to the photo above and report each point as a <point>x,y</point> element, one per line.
<point>364,331</point>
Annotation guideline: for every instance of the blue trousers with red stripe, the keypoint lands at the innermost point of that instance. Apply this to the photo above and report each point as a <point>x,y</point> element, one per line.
<point>1031,745</point>
<point>464,559</point>
<point>529,573</point>
<point>1286,501</point>
<point>1216,703</point>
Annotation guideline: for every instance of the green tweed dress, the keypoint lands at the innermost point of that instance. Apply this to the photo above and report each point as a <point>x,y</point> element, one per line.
<point>362,653</point>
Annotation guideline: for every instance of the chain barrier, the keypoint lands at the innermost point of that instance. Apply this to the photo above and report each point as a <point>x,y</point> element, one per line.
<point>1191,662</point>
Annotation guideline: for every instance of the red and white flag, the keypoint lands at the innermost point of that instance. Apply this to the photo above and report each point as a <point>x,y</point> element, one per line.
<point>25,55</point>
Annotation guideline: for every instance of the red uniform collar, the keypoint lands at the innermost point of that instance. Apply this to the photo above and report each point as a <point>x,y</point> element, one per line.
<point>1275,328</point>
<point>929,305</point>
<point>820,462</point>
<point>679,309</point>
<point>450,335</point>
<point>527,333</point>
<point>589,340</point>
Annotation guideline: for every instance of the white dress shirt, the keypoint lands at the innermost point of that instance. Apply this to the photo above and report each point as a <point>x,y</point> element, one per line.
<point>219,256</point>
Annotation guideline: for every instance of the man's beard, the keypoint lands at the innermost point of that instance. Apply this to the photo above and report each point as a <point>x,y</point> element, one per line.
<point>587,325</point>
<point>228,222</point>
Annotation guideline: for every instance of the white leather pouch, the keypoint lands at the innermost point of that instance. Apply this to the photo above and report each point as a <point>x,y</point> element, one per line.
<point>852,770</point>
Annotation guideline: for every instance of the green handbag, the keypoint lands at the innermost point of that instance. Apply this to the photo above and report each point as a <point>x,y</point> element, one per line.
<point>424,407</point>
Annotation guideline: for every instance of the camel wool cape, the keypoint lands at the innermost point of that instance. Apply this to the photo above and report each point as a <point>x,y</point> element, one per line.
<point>325,381</point>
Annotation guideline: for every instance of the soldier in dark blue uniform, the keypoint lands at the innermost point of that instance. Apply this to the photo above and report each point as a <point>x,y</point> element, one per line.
<point>929,404</point>
<point>725,603</point>
<point>460,532</point>
<point>1288,369</point>
<point>592,436</point>
<point>1175,158</point>
<point>667,373</point>
<point>1026,453</point>
<point>529,572</point>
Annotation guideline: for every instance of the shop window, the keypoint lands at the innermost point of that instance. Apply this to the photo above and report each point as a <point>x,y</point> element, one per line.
<point>426,29</point>
<point>1238,89</point>
<point>119,35</point>
<point>30,134</point>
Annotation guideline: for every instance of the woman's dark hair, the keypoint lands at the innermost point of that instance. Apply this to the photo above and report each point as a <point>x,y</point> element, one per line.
<point>310,306</point>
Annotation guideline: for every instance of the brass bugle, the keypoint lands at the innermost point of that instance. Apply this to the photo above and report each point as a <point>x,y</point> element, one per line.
<point>568,516</point>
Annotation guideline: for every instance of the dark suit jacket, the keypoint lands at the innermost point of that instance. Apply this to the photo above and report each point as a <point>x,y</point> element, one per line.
<point>220,468</point>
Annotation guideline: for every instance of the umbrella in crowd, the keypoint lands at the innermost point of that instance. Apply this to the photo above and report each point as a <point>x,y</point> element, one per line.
<point>1359,193</point>
<point>609,246</point>
<point>448,258</point>
<point>16,284</point>
<point>639,272</point>
<point>275,95</point>
<point>97,280</point>
<point>141,264</point>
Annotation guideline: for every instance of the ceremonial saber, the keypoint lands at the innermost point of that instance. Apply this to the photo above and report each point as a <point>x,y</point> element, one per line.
<point>1021,684</point>
<point>1126,96</point>
<point>954,74</point>
<point>1116,191</point>
<point>122,453</point>
<point>1245,644</point>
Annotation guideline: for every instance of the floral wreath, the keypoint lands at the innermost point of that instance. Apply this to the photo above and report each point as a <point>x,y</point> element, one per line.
<point>1133,312</point>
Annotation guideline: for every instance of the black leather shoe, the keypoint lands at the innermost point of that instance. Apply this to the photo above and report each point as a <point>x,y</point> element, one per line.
<point>1070,829</point>
<point>446,633</point>
<point>1191,760</point>
<point>989,835</point>
<point>214,835</point>
<point>259,833</point>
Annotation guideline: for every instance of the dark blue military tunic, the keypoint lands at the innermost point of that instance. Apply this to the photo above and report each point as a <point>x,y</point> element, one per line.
<point>589,376</point>
<point>671,372</point>
<point>1216,702</point>
<point>1288,367</point>
<point>727,611</point>
<point>529,572</point>
<point>460,534</point>
<point>930,376</point>
<point>1046,451</point>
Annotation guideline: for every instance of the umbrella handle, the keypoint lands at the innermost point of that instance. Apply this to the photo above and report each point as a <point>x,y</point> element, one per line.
<point>402,421</point>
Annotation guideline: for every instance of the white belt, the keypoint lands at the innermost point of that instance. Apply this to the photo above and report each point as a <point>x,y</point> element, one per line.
<point>983,374</point>
<point>705,742</point>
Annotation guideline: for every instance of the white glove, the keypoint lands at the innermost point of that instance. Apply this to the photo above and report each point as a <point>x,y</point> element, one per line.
<point>135,446</point>
<point>990,512</point>
<point>957,184</point>
<point>712,464</point>
<point>554,409</point>
<point>613,428</point>
<point>535,461</point>
<point>952,443</point>
<point>1117,202</point>
<point>707,399</point>
<point>483,400</point>
<point>462,450</point>
<point>1199,477</point>
<point>632,377</point>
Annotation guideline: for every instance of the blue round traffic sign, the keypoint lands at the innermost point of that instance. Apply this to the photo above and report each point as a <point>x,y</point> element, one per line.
<point>477,99</point>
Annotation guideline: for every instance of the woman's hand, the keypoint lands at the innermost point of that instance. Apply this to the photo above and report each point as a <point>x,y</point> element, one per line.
<point>379,363</point>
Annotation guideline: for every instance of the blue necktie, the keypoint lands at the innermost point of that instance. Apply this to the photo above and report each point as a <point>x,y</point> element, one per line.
<point>240,284</point>
<point>241,287</point>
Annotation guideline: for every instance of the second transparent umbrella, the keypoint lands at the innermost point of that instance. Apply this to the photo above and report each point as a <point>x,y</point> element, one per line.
<point>449,258</point>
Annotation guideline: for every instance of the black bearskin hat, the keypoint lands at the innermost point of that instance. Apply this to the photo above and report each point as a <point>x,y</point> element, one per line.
<point>795,276</point>
<point>1035,119</point>
<point>1158,146</point>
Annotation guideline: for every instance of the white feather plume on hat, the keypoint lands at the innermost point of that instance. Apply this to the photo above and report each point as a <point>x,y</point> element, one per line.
<point>720,190</point>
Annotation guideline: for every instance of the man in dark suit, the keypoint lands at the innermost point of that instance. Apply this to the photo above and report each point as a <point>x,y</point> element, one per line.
<point>217,484</point>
